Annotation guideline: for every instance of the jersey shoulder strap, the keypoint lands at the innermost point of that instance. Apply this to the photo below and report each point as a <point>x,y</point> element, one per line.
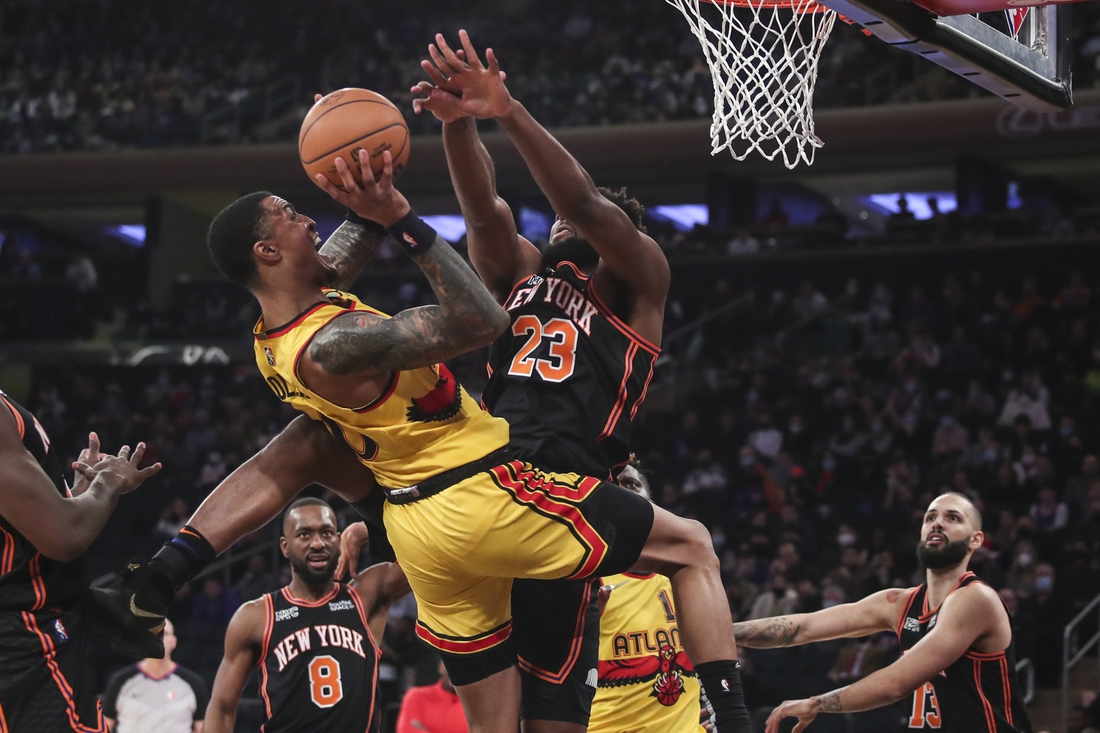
<point>269,625</point>
<point>915,600</point>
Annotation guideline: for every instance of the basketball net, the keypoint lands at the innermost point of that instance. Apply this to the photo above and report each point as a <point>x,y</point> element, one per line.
<point>763,57</point>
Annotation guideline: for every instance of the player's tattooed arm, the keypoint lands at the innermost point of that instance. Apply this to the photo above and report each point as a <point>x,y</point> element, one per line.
<point>467,318</point>
<point>830,702</point>
<point>351,247</point>
<point>767,633</point>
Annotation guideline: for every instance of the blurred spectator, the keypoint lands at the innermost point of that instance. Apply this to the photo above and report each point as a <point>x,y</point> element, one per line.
<point>434,708</point>
<point>257,579</point>
<point>743,243</point>
<point>810,302</point>
<point>215,605</point>
<point>1029,399</point>
<point>173,518</point>
<point>775,217</point>
<point>26,268</point>
<point>1048,514</point>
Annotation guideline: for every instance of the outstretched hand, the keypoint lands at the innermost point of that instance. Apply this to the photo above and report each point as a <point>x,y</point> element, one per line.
<point>376,200</point>
<point>89,456</point>
<point>119,473</point>
<point>461,85</point>
<point>804,710</point>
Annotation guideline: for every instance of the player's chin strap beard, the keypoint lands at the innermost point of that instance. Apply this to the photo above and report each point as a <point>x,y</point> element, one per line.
<point>950,554</point>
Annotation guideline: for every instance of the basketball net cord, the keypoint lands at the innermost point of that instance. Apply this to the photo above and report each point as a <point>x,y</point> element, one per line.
<point>763,57</point>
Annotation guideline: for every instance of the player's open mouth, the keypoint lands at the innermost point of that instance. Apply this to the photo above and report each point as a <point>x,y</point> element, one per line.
<point>317,561</point>
<point>936,539</point>
<point>317,243</point>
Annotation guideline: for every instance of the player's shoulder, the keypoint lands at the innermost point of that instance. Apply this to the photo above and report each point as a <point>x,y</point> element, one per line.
<point>975,595</point>
<point>251,618</point>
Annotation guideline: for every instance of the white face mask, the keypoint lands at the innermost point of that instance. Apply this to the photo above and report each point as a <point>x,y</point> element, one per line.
<point>845,540</point>
<point>829,603</point>
<point>1044,583</point>
<point>1024,558</point>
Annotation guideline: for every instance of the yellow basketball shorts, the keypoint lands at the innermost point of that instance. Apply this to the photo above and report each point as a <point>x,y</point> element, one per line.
<point>462,547</point>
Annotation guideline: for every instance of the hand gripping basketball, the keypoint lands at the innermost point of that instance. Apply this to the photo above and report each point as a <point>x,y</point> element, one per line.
<point>461,84</point>
<point>375,200</point>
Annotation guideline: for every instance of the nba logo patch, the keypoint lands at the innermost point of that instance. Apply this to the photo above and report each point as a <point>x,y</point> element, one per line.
<point>59,629</point>
<point>270,355</point>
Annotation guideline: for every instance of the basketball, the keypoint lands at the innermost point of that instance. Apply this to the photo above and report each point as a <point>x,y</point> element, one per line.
<point>345,121</point>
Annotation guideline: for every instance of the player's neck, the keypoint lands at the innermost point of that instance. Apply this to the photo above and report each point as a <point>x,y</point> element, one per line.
<point>299,588</point>
<point>156,667</point>
<point>941,582</point>
<point>285,304</point>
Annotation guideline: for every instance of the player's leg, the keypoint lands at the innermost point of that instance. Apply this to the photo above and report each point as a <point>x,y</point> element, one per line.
<point>556,628</point>
<point>682,550</point>
<point>491,704</point>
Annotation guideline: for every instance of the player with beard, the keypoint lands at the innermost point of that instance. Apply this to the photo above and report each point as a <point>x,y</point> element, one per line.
<point>958,659</point>
<point>586,320</point>
<point>313,641</point>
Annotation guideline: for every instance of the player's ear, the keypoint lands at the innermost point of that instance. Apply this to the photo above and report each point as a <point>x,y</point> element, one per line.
<point>284,546</point>
<point>266,251</point>
<point>977,540</point>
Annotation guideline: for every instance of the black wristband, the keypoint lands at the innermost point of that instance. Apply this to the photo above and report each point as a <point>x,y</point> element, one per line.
<point>413,233</point>
<point>368,224</point>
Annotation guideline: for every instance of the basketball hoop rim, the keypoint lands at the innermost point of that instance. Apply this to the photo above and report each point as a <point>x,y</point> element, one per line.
<point>801,6</point>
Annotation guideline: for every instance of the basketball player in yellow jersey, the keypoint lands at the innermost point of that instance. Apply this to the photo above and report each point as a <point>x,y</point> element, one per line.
<point>464,518</point>
<point>646,683</point>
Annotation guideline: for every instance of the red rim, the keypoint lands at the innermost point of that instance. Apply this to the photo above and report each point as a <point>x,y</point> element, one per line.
<point>804,7</point>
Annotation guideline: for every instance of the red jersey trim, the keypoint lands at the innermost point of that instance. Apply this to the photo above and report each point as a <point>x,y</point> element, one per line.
<point>39,585</point>
<point>280,330</point>
<point>311,604</point>
<point>1006,689</point>
<point>269,626</point>
<point>18,418</point>
<point>928,614</point>
<point>640,576</point>
<point>7,557</point>
<point>620,401</point>
<point>987,708</point>
<point>459,645</point>
<point>63,685</point>
<point>621,326</point>
<point>3,721</point>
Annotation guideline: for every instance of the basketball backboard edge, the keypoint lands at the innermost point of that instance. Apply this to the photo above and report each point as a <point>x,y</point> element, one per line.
<point>1020,74</point>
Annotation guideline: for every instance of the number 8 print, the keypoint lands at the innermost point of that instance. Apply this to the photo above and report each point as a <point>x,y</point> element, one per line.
<point>325,687</point>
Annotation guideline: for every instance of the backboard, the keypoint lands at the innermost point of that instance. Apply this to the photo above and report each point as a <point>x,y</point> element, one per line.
<point>1017,50</point>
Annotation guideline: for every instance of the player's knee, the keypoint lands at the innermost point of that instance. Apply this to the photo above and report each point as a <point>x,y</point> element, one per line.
<point>686,543</point>
<point>700,545</point>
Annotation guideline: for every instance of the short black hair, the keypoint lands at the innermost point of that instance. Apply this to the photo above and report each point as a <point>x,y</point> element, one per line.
<point>631,206</point>
<point>233,232</point>
<point>305,501</point>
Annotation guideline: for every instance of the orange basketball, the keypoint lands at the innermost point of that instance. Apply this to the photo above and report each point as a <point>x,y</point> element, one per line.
<point>345,121</point>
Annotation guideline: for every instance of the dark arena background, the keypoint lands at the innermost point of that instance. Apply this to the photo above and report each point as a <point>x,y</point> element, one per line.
<point>917,312</point>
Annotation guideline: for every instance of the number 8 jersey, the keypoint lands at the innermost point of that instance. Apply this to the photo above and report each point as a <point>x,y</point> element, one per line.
<point>318,664</point>
<point>563,332</point>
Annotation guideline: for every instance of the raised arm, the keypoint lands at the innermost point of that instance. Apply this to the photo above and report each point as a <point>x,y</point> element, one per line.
<point>630,256</point>
<point>967,615</point>
<point>876,612</point>
<point>61,528</point>
<point>498,253</point>
<point>379,587</point>
<point>242,643</point>
<point>351,247</point>
<point>467,317</point>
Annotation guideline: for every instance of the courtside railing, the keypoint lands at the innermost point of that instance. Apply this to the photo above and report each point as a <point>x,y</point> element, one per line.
<point>1070,659</point>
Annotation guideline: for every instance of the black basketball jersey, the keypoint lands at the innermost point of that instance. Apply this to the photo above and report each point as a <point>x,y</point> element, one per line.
<point>29,581</point>
<point>978,693</point>
<point>569,375</point>
<point>318,665</point>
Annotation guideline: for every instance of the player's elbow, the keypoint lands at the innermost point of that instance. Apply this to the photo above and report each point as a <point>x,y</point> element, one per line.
<point>61,543</point>
<point>484,328</point>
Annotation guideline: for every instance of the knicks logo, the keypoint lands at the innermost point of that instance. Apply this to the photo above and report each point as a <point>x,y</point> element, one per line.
<point>442,403</point>
<point>666,670</point>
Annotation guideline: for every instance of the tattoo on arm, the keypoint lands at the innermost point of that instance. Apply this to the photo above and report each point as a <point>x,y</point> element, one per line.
<point>351,247</point>
<point>830,703</point>
<point>467,318</point>
<point>767,633</point>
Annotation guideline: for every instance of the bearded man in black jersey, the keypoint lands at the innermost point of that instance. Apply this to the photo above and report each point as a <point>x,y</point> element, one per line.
<point>314,640</point>
<point>959,664</point>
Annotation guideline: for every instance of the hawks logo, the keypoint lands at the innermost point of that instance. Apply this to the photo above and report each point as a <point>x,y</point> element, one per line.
<point>442,403</point>
<point>666,668</point>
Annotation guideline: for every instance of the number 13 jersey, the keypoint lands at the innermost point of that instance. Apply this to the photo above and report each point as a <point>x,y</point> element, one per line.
<point>318,664</point>
<point>562,332</point>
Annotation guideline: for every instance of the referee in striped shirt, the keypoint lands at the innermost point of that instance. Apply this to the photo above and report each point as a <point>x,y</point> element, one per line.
<point>156,695</point>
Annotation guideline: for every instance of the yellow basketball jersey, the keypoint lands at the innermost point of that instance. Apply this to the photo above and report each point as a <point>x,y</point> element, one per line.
<point>646,683</point>
<point>422,424</point>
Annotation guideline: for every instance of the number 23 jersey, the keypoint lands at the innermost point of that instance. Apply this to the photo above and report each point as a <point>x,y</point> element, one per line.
<point>568,375</point>
<point>318,664</point>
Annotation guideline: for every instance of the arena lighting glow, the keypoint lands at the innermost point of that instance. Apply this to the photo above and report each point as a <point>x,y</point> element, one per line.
<point>682,216</point>
<point>534,224</point>
<point>451,227</point>
<point>917,200</point>
<point>129,233</point>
